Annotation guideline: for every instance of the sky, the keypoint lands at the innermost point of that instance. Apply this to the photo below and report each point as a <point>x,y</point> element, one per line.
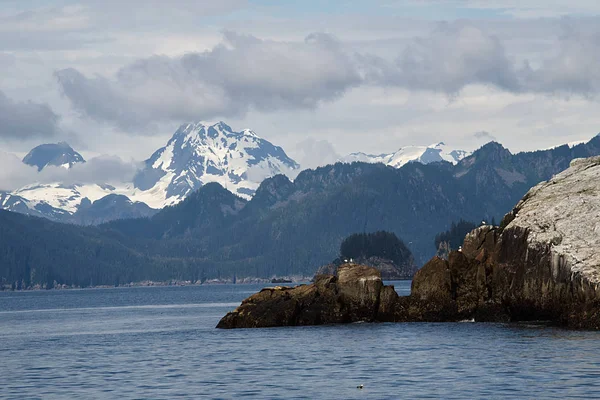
<point>321,79</point>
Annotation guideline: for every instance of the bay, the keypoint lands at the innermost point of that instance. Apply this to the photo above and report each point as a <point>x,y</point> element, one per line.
<point>160,342</point>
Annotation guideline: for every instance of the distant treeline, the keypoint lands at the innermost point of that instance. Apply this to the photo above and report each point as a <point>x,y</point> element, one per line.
<point>378,244</point>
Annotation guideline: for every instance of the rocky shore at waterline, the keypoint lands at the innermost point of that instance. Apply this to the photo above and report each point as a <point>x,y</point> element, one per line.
<point>542,263</point>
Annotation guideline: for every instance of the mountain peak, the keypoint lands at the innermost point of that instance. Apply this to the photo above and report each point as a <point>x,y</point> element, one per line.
<point>489,153</point>
<point>493,148</point>
<point>55,154</point>
<point>199,153</point>
<point>201,130</point>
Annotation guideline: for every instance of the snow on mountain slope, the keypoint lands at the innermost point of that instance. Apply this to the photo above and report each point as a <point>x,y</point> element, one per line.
<point>63,197</point>
<point>14,203</point>
<point>423,154</point>
<point>200,153</point>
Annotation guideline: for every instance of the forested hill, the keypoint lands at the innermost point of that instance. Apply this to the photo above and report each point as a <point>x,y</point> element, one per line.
<point>288,227</point>
<point>297,226</point>
<point>37,251</point>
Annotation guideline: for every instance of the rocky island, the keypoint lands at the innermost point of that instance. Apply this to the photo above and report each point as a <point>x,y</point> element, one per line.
<point>381,250</point>
<point>541,263</point>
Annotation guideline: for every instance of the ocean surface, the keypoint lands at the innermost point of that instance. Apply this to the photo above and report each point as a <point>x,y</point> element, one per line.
<point>160,343</point>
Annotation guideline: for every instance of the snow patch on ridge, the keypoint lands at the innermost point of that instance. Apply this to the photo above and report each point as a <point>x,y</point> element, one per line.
<point>424,154</point>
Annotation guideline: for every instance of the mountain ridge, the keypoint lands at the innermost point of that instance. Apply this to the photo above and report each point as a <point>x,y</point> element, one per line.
<point>199,153</point>
<point>424,154</point>
<point>288,228</point>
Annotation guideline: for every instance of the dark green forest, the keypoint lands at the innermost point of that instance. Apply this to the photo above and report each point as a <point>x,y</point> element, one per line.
<point>287,228</point>
<point>377,244</point>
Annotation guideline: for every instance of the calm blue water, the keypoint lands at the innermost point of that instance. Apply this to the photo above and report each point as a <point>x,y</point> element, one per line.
<point>161,343</point>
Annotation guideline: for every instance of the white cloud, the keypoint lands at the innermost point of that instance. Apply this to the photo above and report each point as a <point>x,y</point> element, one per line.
<point>244,73</point>
<point>484,136</point>
<point>312,153</point>
<point>573,67</point>
<point>240,74</point>
<point>14,174</point>
<point>515,8</point>
<point>450,58</point>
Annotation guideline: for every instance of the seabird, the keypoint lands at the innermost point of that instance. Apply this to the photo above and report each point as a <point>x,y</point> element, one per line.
<point>360,386</point>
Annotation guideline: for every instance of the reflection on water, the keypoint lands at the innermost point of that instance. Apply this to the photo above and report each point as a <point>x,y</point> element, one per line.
<point>161,343</point>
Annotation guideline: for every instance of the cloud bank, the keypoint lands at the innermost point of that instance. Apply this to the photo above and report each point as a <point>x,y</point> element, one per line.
<point>516,8</point>
<point>241,73</point>
<point>245,73</point>
<point>14,174</point>
<point>26,120</point>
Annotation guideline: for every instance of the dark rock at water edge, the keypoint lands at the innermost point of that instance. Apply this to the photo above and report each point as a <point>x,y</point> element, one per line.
<point>356,294</point>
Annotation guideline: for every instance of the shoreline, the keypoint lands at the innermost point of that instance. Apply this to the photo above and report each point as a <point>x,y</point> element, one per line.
<point>148,283</point>
<point>174,283</point>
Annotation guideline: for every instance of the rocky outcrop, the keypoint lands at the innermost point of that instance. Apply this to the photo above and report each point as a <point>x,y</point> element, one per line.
<point>356,294</point>
<point>542,263</point>
<point>390,271</point>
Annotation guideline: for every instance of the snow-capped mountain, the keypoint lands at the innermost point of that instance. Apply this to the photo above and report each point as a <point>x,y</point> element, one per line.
<point>63,197</point>
<point>423,154</point>
<point>72,204</point>
<point>14,203</point>
<point>197,154</point>
<point>56,154</point>
<point>200,153</point>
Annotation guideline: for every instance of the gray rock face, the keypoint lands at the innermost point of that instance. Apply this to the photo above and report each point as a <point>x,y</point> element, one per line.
<point>563,216</point>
